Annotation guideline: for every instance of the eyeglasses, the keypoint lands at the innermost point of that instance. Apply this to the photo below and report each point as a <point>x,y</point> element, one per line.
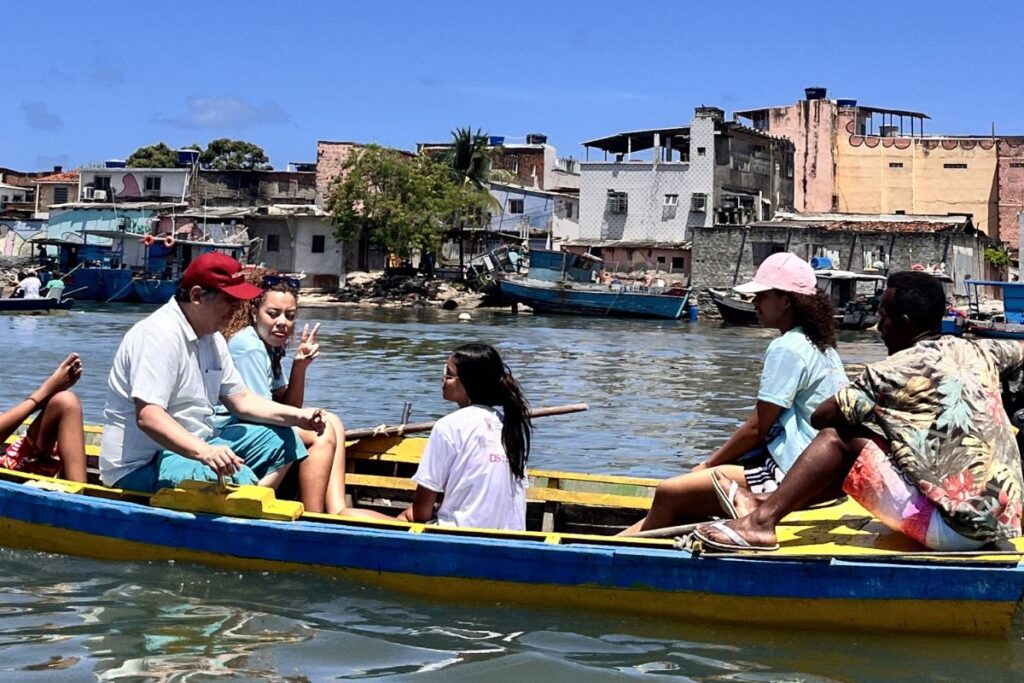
<point>448,373</point>
<point>273,280</point>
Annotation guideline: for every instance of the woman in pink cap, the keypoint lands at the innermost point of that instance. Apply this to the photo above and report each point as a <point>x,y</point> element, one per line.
<point>801,369</point>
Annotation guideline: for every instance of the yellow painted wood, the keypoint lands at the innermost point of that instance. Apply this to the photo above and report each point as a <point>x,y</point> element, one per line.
<point>253,502</point>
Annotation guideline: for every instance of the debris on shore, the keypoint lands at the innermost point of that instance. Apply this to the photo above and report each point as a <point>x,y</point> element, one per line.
<point>396,291</point>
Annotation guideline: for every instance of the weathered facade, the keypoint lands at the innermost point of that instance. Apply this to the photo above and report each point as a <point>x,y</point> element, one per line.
<point>529,212</point>
<point>726,255</point>
<point>854,158</point>
<point>119,184</point>
<point>254,188</point>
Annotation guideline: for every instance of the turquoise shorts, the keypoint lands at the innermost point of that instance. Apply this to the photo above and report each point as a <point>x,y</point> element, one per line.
<point>264,449</point>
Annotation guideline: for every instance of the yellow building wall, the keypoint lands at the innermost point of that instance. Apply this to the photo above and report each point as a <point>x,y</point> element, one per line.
<point>868,180</point>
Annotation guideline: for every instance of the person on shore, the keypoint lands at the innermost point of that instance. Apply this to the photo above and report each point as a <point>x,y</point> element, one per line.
<point>169,372</point>
<point>801,369</point>
<point>942,467</point>
<point>257,340</point>
<point>55,441</point>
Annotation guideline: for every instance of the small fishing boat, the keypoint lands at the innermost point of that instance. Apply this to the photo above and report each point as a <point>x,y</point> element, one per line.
<point>42,305</point>
<point>837,567</point>
<point>857,310</point>
<point>734,311</point>
<point>1009,324</point>
<point>563,282</point>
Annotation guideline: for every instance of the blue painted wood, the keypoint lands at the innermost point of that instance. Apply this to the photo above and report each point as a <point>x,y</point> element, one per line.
<point>155,291</point>
<point>522,562</point>
<point>591,299</point>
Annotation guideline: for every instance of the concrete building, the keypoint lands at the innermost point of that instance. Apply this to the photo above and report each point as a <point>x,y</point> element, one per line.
<point>725,255</point>
<point>107,183</point>
<point>254,188</point>
<point>538,215</point>
<point>655,186</point>
<point>854,158</point>
<point>59,187</point>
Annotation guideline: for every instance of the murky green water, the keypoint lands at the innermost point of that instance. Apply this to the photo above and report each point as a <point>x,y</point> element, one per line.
<point>661,396</point>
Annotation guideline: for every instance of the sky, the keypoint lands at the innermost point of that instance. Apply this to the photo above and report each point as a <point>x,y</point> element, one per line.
<point>85,82</point>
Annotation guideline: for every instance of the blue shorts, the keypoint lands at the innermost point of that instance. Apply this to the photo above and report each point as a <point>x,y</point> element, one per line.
<point>264,449</point>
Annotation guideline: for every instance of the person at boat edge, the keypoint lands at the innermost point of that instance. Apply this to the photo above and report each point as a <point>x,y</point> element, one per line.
<point>54,443</point>
<point>801,369</point>
<point>473,469</point>
<point>169,372</point>
<point>920,439</point>
<point>258,336</point>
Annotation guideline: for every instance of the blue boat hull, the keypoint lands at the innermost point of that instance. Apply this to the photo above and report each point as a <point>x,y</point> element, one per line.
<point>155,291</point>
<point>84,284</point>
<point>575,299</point>
<point>524,568</point>
<point>116,285</point>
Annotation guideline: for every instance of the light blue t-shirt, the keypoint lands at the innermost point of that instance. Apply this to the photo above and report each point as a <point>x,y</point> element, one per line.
<point>797,377</point>
<point>253,362</point>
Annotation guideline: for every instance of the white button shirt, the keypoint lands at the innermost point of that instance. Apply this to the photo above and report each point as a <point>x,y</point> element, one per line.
<point>162,361</point>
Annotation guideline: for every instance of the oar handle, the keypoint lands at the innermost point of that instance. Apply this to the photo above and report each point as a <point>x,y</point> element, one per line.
<point>400,430</point>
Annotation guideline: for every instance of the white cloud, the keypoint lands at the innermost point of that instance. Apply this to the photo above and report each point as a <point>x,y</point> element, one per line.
<point>225,112</point>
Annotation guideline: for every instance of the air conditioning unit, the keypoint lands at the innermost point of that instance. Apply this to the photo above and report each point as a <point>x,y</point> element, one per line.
<point>99,195</point>
<point>87,193</point>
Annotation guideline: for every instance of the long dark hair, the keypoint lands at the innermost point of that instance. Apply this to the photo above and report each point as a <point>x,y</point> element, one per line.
<point>246,314</point>
<point>816,315</point>
<point>489,382</point>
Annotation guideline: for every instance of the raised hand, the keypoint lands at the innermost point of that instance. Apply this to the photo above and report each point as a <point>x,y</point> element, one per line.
<point>312,419</point>
<point>64,377</point>
<point>308,348</point>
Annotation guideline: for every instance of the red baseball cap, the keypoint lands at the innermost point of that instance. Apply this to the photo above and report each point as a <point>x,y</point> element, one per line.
<point>215,270</point>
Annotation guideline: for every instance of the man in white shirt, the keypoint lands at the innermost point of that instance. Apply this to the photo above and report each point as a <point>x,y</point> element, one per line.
<point>169,372</point>
<point>30,285</point>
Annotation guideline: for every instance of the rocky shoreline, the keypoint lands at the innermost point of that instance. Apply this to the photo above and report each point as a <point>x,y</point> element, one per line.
<point>377,290</point>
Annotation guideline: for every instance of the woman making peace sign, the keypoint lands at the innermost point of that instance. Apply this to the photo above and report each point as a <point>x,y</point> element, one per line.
<point>257,337</point>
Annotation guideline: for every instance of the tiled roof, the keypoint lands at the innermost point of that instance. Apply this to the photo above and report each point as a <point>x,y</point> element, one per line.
<point>66,177</point>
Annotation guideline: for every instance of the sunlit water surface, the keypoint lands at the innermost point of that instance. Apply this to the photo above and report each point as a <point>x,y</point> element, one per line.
<point>661,396</point>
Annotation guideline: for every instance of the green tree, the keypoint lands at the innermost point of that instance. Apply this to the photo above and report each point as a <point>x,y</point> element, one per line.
<point>470,157</point>
<point>225,154</point>
<point>154,156</point>
<point>400,203</point>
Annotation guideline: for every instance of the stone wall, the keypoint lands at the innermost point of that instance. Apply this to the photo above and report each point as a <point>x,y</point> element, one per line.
<point>724,255</point>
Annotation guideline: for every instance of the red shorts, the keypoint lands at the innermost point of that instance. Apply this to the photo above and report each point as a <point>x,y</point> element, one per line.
<point>23,456</point>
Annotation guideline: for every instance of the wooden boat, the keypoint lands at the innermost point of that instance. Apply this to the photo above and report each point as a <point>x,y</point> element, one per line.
<point>837,567</point>
<point>855,311</point>
<point>42,305</point>
<point>735,311</point>
<point>1009,325</point>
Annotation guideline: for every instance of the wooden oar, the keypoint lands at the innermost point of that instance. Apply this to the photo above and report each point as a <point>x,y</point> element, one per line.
<point>400,430</point>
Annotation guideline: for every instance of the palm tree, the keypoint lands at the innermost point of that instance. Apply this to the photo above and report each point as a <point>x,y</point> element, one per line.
<point>470,157</point>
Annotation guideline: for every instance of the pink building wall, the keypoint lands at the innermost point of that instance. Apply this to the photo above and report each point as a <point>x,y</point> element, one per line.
<point>1011,188</point>
<point>811,126</point>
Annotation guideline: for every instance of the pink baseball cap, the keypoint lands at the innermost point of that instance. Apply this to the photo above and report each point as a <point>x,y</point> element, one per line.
<point>783,271</point>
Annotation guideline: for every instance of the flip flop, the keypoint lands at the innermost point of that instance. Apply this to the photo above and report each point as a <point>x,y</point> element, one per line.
<point>738,542</point>
<point>726,499</point>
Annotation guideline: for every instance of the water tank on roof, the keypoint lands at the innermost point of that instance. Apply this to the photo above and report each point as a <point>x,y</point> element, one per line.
<point>536,139</point>
<point>815,93</point>
<point>846,103</point>
<point>821,263</point>
<point>188,156</point>
<point>496,140</point>
<point>115,163</point>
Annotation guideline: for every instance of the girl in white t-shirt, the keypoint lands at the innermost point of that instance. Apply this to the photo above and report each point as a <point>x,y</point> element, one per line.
<point>476,456</point>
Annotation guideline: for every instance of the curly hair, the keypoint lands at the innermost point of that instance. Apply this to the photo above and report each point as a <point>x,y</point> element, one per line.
<point>816,315</point>
<point>246,313</point>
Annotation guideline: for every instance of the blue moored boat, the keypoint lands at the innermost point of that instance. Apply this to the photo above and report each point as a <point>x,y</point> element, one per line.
<point>563,282</point>
<point>836,568</point>
<point>1009,325</point>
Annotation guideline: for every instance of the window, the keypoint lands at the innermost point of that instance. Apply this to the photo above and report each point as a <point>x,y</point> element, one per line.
<point>60,195</point>
<point>282,186</point>
<point>319,244</point>
<point>954,166</point>
<point>515,206</point>
<point>514,165</point>
<point>568,209</point>
<point>274,242</point>
<point>900,212</point>
<point>678,263</point>
<point>152,183</point>
<point>762,250</point>
<point>1017,164</point>
<point>101,182</point>
<point>699,202</point>
<point>701,151</point>
<point>618,202</point>
<point>662,260</point>
<point>895,164</point>
<point>671,200</point>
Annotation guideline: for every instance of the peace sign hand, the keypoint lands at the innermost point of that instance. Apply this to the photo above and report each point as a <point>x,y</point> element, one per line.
<point>308,348</point>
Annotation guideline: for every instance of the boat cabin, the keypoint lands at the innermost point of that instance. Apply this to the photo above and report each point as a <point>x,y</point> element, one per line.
<point>556,266</point>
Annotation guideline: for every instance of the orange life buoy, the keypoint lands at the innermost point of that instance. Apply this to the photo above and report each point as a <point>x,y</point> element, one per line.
<point>169,241</point>
<point>148,240</point>
<point>917,267</point>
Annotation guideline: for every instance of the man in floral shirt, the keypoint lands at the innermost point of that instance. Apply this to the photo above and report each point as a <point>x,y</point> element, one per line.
<point>920,439</point>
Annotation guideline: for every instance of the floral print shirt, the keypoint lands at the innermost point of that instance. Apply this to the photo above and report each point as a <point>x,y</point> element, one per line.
<point>939,405</point>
